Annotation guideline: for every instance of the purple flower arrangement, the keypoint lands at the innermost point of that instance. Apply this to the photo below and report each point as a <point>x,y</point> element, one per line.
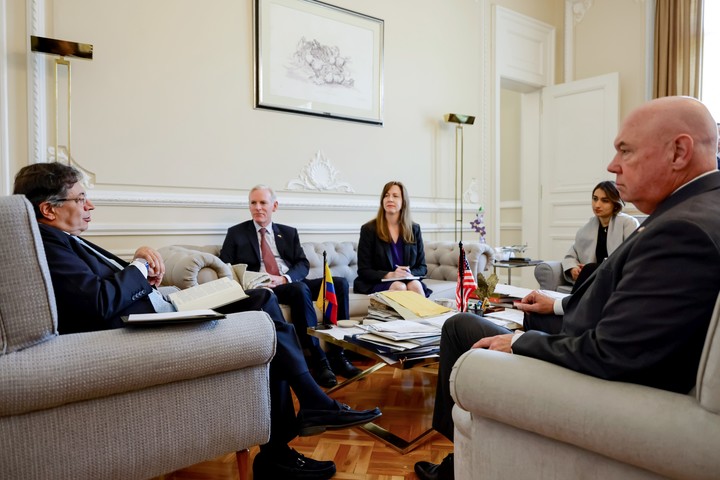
<point>478,224</point>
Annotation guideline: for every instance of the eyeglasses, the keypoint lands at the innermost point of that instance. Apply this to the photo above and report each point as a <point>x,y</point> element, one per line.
<point>81,199</point>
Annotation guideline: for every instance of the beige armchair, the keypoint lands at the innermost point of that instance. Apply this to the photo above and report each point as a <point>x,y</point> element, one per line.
<point>522,418</point>
<point>127,403</point>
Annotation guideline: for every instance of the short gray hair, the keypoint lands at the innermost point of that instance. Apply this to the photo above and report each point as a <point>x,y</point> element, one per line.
<point>261,186</point>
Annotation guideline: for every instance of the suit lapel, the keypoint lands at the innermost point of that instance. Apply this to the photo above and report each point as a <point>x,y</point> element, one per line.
<point>252,236</point>
<point>280,243</point>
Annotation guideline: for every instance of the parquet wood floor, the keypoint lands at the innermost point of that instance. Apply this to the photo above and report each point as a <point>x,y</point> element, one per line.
<point>406,398</point>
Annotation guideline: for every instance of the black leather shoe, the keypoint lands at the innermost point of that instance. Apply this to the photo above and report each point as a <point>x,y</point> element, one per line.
<point>324,376</point>
<point>314,422</point>
<point>290,465</point>
<point>434,471</point>
<point>341,365</point>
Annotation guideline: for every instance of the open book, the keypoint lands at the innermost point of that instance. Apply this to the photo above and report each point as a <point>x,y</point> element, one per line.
<point>208,295</point>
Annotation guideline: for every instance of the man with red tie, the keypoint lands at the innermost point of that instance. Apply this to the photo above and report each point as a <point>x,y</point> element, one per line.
<point>274,248</point>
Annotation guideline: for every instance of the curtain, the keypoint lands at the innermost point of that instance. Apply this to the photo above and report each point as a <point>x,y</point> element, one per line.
<point>678,48</point>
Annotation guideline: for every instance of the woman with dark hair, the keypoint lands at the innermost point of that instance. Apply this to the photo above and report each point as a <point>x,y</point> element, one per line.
<point>598,238</point>
<point>390,251</point>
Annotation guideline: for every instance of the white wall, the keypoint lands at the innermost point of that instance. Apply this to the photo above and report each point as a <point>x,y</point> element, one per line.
<point>164,115</point>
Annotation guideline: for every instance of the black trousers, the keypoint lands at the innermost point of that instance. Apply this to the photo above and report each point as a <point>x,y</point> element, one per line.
<point>459,333</point>
<point>300,297</point>
<point>287,364</point>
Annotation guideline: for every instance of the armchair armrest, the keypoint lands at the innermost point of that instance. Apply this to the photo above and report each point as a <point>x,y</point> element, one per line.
<point>185,267</point>
<point>84,366</point>
<point>635,424</point>
<point>549,276</point>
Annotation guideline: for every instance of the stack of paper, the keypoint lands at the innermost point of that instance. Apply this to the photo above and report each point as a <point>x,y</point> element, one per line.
<point>400,330</point>
<point>403,305</point>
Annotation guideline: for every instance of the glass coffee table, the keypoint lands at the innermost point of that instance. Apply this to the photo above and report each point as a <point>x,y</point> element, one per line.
<point>336,335</point>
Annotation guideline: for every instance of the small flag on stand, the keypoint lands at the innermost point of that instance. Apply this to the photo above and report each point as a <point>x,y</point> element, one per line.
<point>466,284</point>
<point>327,300</point>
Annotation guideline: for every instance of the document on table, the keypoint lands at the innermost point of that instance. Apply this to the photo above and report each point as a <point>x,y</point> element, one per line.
<point>508,318</point>
<point>401,330</point>
<point>417,304</point>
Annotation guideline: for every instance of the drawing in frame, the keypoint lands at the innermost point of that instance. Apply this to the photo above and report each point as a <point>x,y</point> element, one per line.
<point>317,59</point>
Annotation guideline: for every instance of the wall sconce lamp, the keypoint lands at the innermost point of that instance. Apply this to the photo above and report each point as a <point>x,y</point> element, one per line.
<point>459,121</point>
<point>62,49</point>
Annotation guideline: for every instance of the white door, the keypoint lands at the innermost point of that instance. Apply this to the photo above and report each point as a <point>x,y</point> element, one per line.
<point>578,123</point>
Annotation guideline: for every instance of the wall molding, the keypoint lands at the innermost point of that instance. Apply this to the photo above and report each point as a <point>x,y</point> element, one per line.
<point>575,11</point>
<point>351,230</point>
<point>287,199</point>
<point>37,97</point>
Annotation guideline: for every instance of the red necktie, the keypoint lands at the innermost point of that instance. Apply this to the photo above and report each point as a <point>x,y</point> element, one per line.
<point>268,258</point>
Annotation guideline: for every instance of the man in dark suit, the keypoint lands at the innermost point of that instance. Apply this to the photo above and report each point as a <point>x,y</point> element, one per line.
<point>642,316</point>
<point>274,248</point>
<point>94,288</point>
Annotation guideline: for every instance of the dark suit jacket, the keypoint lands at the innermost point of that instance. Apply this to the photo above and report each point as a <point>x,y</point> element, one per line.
<point>89,294</point>
<point>375,257</point>
<point>642,317</point>
<point>241,246</point>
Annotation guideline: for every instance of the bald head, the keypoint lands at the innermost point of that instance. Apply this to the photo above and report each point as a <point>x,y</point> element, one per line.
<point>661,146</point>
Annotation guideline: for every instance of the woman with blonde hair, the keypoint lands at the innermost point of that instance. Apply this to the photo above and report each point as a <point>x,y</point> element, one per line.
<point>391,255</point>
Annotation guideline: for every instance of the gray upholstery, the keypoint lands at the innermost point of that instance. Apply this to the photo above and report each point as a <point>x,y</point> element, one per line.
<point>127,403</point>
<point>189,264</point>
<point>22,254</point>
<point>549,276</point>
<point>518,417</point>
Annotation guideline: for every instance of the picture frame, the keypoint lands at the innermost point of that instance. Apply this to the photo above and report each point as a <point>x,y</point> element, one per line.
<point>318,59</point>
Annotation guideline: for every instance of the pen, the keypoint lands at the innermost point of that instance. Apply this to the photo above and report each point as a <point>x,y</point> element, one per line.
<point>407,269</point>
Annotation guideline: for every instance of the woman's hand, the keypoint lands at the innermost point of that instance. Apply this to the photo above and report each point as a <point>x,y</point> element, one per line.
<point>399,272</point>
<point>575,271</point>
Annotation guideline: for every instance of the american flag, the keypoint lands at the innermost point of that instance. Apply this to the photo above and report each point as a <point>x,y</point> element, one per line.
<point>466,282</point>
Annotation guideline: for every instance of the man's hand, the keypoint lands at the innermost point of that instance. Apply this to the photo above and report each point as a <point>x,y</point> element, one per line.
<point>276,280</point>
<point>156,265</point>
<point>500,343</point>
<point>536,302</point>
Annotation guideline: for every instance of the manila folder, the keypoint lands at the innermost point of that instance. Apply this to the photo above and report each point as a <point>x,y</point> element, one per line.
<point>208,295</point>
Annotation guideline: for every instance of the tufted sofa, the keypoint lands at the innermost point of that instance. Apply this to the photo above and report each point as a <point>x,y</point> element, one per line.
<point>522,418</point>
<point>188,265</point>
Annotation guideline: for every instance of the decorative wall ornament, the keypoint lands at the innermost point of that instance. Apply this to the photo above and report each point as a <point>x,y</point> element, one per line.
<point>579,9</point>
<point>319,174</point>
<point>472,194</point>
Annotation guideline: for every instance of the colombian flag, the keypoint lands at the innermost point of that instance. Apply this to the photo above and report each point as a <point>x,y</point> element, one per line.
<point>331,305</point>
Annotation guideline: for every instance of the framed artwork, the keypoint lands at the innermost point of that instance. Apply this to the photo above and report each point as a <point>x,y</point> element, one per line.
<point>318,59</point>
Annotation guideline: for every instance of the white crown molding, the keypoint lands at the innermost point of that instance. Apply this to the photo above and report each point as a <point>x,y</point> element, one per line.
<point>288,202</point>
<point>319,174</point>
